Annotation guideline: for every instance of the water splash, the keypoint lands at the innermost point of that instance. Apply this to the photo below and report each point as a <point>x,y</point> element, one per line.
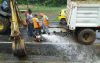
<point>71,51</point>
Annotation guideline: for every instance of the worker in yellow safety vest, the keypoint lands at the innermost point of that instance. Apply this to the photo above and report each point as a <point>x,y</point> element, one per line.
<point>45,23</point>
<point>36,25</point>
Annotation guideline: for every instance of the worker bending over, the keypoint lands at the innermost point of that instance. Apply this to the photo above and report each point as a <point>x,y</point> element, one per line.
<point>45,23</point>
<point>36,25</point>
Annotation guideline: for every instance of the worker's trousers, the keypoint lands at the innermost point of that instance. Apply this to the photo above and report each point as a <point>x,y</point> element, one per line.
<point>45,29</point>
<point>36,32</point>
<point>30,29</point>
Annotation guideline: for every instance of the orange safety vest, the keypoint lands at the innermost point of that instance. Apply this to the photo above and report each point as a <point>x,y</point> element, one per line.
<point>45,22</point>
<point>35,24</point>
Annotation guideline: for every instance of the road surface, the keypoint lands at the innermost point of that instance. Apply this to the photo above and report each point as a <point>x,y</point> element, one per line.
<point>55,48</point>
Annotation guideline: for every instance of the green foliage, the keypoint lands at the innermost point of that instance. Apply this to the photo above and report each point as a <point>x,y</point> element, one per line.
<point>55,2</point>
<point>0,1</point>
<point>44,2</point>
<point>21,1</point>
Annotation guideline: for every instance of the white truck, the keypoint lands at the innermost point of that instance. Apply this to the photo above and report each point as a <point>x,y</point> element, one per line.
<point>84,20</point>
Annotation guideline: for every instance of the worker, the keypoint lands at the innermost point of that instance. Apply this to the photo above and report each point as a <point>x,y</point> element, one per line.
<point>29,22</point>
<point>26,14</point>
<point>5,9</point>
<point>45,23</point>
<point>4,5</point>
<point>36,25</point>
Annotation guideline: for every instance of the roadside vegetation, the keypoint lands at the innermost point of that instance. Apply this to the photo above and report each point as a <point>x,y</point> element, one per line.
<point>50,7</point>
<point>51,12</point>
<point>52,3</point>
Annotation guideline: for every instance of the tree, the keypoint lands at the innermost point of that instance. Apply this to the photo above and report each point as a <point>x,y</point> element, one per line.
<point>43,2</point>
<point>0,1</point>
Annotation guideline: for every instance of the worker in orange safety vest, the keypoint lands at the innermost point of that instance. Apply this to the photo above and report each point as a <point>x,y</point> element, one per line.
<point>45,23</point>
<point>36,25</point>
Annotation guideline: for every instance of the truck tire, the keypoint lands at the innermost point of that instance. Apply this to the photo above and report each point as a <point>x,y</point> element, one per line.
<point>86,36</point>
<point>5,24</point>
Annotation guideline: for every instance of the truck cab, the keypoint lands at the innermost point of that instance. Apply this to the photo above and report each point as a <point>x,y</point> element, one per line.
<point>62,16</point>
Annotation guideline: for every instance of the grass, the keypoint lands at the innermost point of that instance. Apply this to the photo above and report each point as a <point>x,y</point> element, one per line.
<point>51,12</point>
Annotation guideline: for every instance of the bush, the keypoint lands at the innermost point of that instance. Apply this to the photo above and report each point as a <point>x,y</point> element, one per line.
<point>44,2</point>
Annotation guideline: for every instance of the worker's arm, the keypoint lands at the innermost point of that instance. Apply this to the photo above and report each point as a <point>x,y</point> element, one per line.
<point>47,18</point>
<point>3,13</point>
<point>38,24</point>
<point>37,20</point>
<point>47,21</point>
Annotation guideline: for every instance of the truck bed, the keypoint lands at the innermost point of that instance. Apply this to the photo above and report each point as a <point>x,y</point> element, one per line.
<point>84,15</point>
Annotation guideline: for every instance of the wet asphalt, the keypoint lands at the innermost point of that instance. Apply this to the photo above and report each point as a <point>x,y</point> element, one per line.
<point>55,48</point>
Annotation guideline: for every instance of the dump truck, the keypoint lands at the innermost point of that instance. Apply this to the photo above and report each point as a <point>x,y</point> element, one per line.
<point>83,19</point>
<point>11,21</point>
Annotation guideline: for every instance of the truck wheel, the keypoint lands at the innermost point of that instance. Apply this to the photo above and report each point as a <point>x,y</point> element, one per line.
<point>86,36</point>
<point>18,48</point>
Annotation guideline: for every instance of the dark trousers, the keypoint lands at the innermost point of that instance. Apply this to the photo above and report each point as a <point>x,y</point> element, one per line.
<point>30,29</point>
<point>36,32</point>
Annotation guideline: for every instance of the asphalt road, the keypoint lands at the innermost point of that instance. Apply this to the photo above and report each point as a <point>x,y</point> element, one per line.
<point>55,48</point>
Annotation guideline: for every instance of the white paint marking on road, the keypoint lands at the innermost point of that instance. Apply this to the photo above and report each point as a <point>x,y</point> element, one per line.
<point>42,43</point>
<point>5,42</point>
